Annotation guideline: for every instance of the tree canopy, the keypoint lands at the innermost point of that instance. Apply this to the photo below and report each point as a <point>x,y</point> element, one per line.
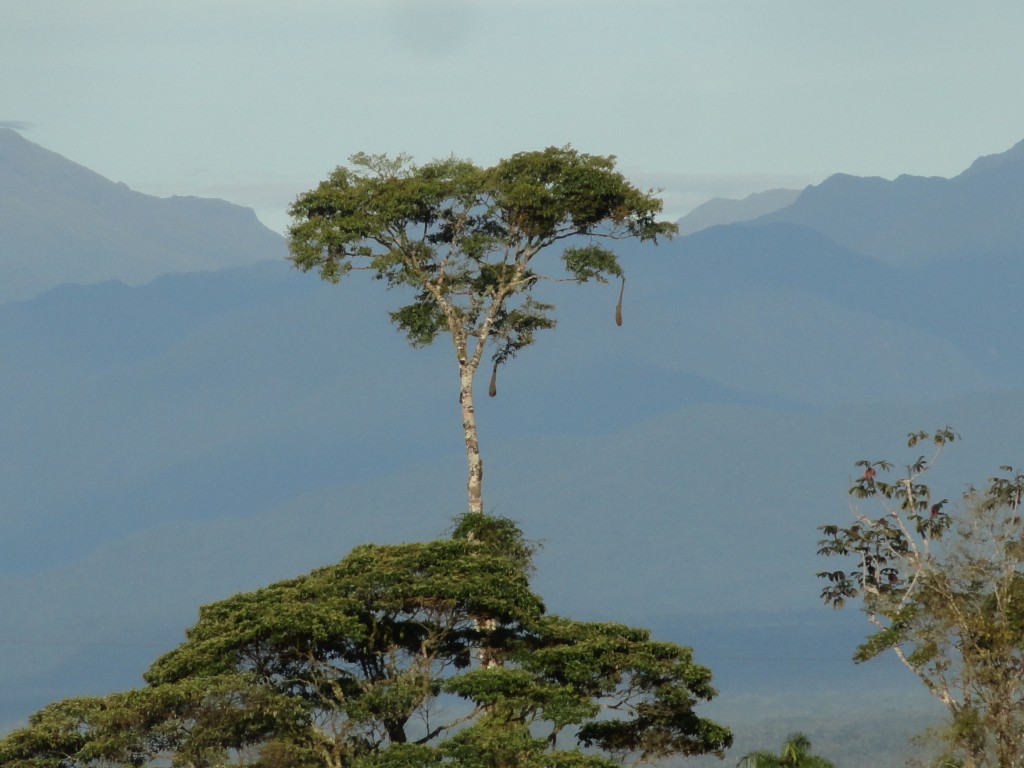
<point>463,245</point>
<point>796,753</point>
<point>378,661</point>
<point>944,590</point>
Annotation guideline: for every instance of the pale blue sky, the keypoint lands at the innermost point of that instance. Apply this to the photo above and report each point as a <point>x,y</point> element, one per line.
<point>256,100</point>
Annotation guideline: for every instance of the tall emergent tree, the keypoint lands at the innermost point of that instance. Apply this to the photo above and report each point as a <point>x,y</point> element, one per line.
<point>945,593</point>
<point>370,663</point>
<point>465,241</point>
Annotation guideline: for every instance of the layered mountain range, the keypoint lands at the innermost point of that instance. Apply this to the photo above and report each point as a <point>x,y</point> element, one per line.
<point>169,442</point>
<point>63,223</point>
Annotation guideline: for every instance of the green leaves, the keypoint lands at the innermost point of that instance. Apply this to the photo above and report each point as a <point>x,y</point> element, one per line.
<point>195,721</point>
<point>620,669</point>
<point>402,655</point>
<point>463,237</point>
<point>516,328</point>
<point>796,753</point>
<point>421,321</point>
<point>558,191</point>
<point>591,262</point>
<point>54,735</point>
<point>942,588</point>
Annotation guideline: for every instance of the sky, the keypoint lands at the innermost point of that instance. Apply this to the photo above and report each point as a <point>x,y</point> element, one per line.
<point>255,101</point>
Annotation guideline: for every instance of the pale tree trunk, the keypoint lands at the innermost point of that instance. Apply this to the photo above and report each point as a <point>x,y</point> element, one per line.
<point>475,477</point>
<point>474,484</point>
<point>468,363</point>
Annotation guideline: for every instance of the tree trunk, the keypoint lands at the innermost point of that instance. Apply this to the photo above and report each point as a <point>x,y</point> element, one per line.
<point>475,479</point>
<point>396,731</point>
<point>474,484</point>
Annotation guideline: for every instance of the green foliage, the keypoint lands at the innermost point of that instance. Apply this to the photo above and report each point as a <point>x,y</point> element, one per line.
<point>591,263</point>
<point>408,655</point>
<point>796,753</point>
<point>499,534</point>
<point>193,722</point>
<point>464,237</point>
<point>421,321</point>
<point>56,734</point>
<point>945,592</point>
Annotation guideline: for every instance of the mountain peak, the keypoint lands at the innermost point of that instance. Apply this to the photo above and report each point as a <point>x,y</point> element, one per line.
<point>916,219</point>
<point>65,223</point>
<point>723,210</point>
<point>986,163</point>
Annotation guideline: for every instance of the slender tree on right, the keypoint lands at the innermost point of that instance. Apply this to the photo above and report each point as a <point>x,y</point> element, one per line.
<point>943,588</point>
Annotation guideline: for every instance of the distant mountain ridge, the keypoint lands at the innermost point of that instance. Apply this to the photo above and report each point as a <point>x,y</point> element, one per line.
<point>914,219</point>
<point>63,223</point>
<point>722,210</point>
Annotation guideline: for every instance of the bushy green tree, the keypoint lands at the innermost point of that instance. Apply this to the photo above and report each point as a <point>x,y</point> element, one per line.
<point>467,245</point>
<point>796,753</point>
<point>944,590</point>
<point>376,662</point>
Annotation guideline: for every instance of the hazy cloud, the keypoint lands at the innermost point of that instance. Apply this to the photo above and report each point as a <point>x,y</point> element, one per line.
<point>17,125</point>
<point>430,30</point>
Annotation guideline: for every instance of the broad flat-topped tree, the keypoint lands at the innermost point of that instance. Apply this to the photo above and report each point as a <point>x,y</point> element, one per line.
<point>465,241</point>
<point>371,663</point>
